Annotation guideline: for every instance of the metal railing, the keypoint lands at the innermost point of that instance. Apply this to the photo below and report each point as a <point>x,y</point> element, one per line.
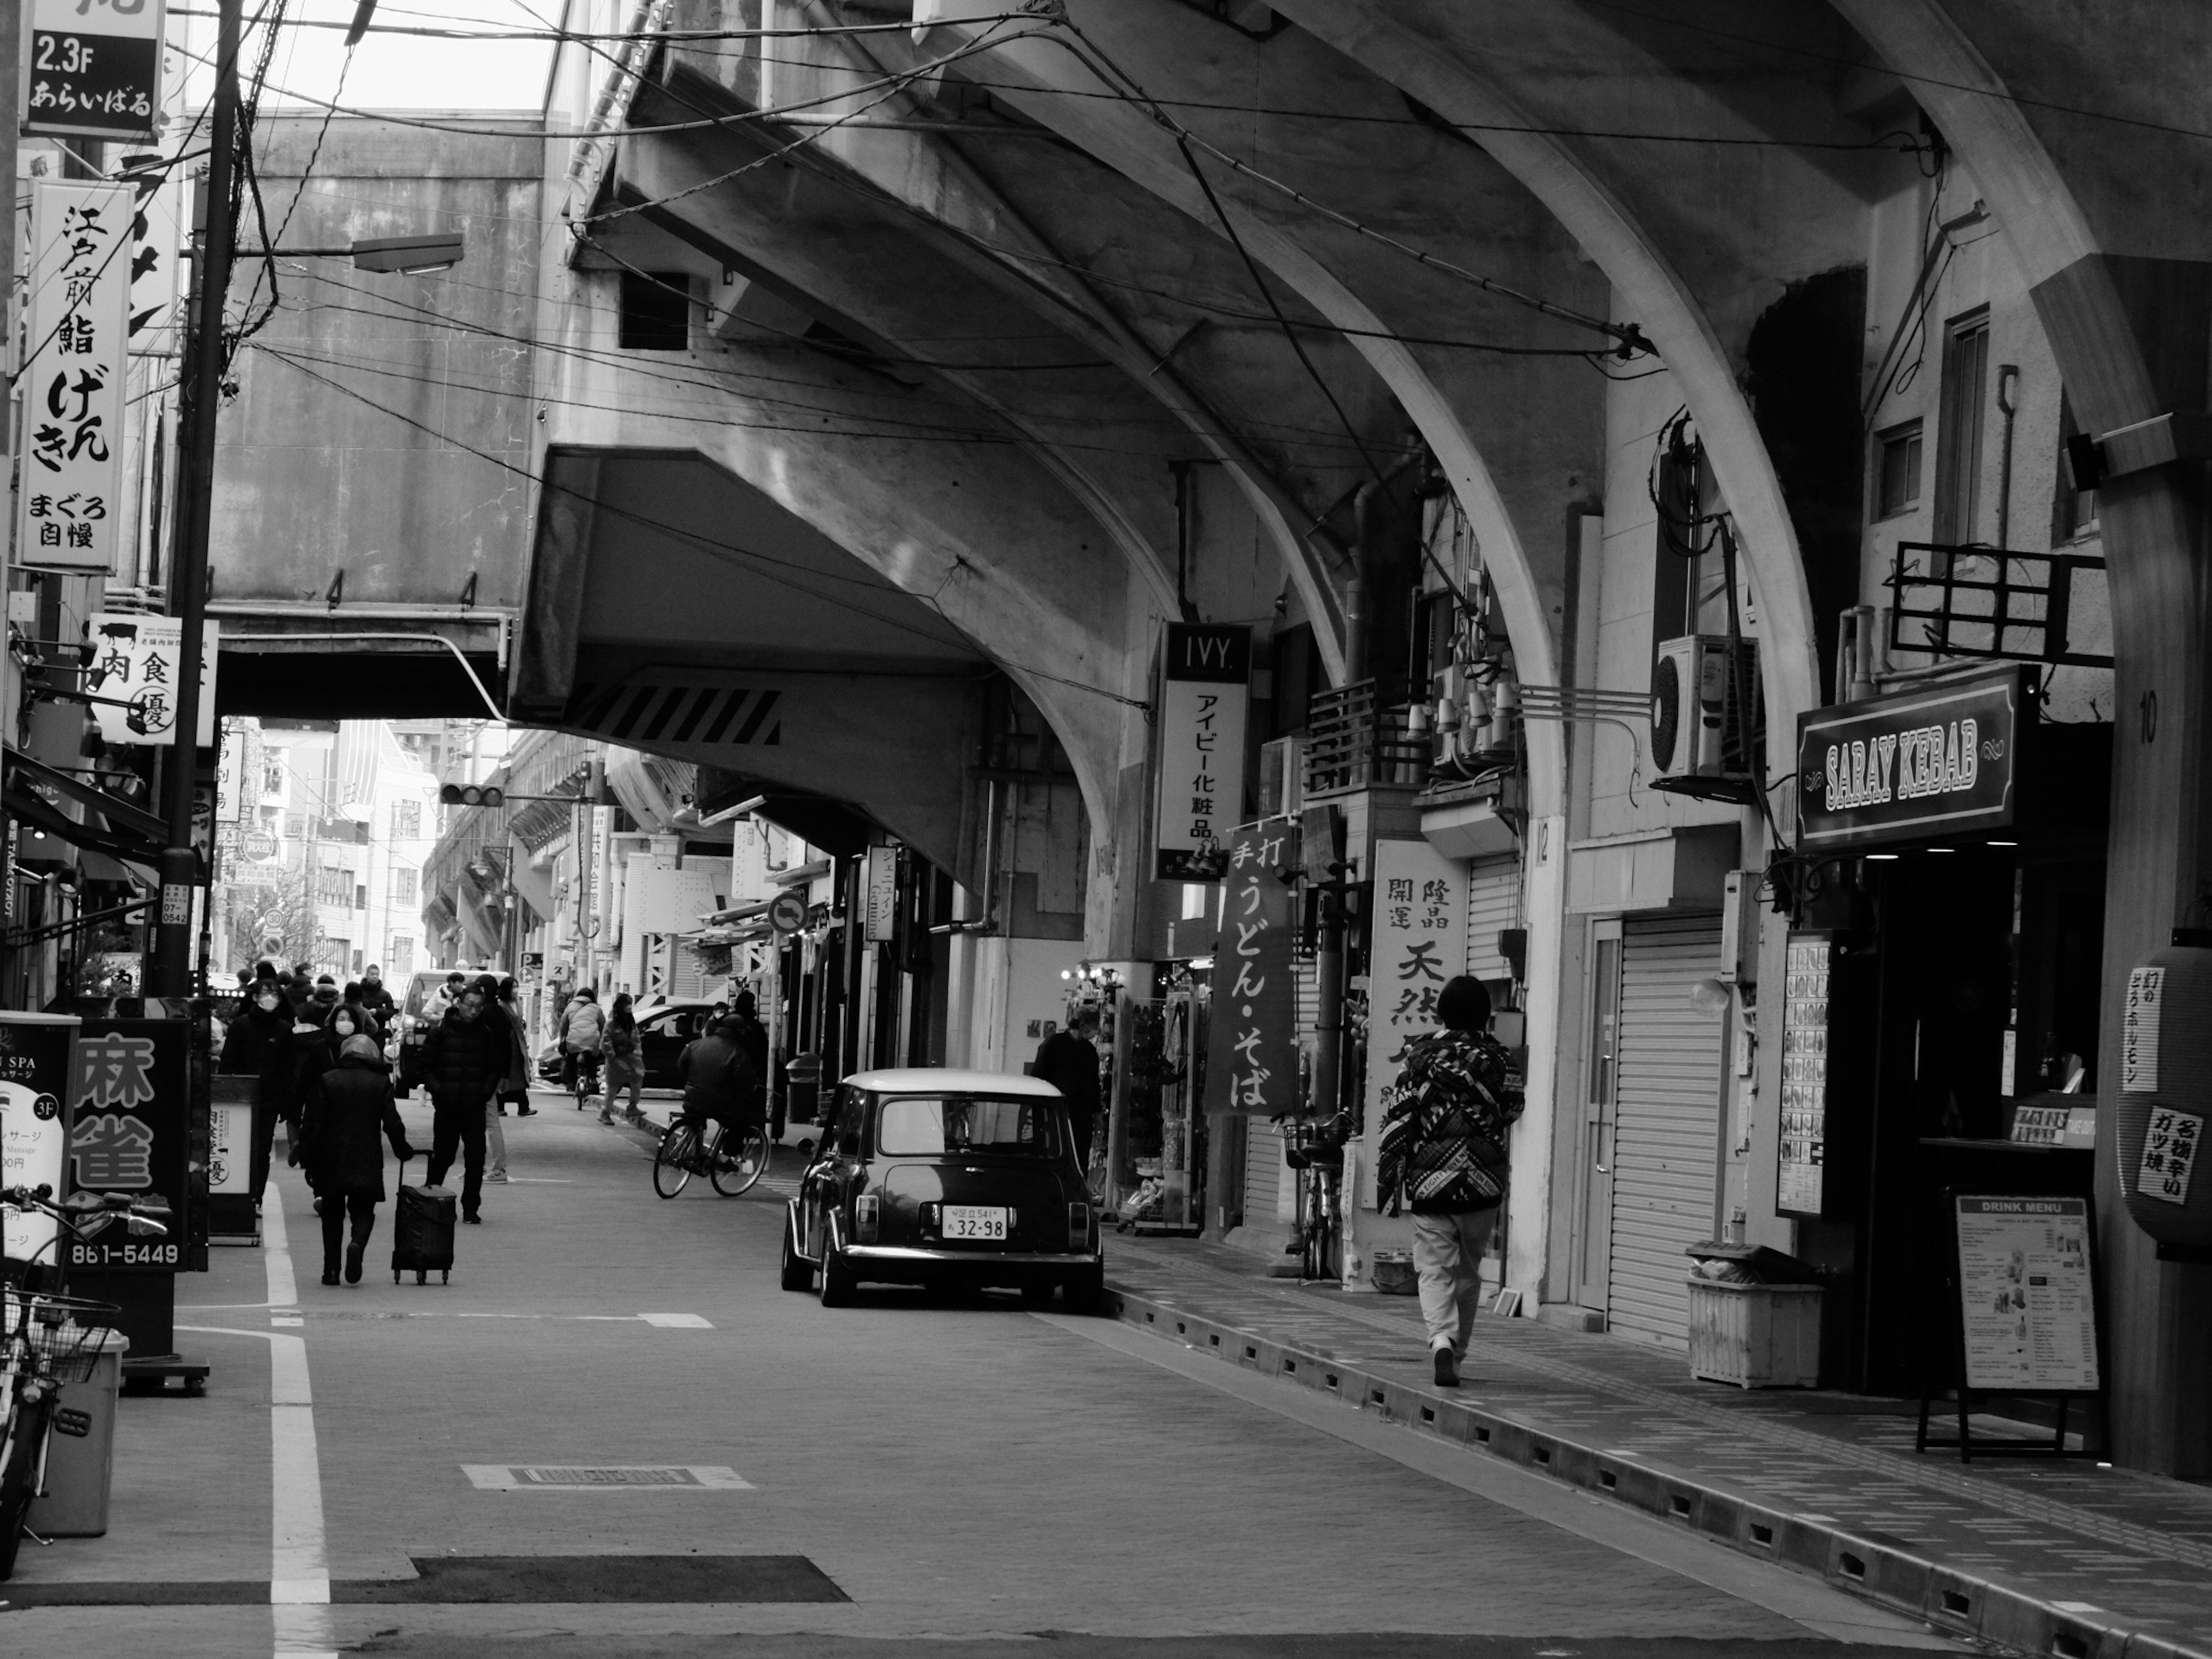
<point>1354,740</point>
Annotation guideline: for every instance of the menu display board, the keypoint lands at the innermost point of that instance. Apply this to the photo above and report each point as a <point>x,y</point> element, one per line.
<point>1800,1177</point>
<point>2028,1300</point>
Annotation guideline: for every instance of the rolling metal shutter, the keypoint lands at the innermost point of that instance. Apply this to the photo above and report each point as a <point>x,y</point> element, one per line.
<point>1493,904</point>
<point>1263,1169</point>
<point>1666,1140</point>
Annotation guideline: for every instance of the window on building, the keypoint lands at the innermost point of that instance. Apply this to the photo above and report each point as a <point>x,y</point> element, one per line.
<point>1897,470</point>
<point>360,896</point>
<point>1964,421</point>
<point>656,310</point>
<point>400,954</point>
<point>337,952</point>
<point>2073,511</point>
<point>402,885</point>
<point>334,886</point>
<point>406,820</point>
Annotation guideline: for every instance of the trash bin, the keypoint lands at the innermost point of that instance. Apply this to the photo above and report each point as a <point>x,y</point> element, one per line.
<point>1754,1317</point>
<point>81,1469</point>
<point>803,1089</point>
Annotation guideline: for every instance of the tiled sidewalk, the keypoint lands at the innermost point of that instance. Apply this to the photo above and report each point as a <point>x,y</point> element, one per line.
<point>2112,1561</point>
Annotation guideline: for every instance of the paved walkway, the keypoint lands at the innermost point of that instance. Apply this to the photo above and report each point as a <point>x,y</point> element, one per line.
<point>2106,1553</point>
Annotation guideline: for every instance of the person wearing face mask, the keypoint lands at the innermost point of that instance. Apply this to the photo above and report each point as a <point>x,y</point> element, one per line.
<point>463,1061</point>
<point>349,1106</point>
<point>261,1044</point>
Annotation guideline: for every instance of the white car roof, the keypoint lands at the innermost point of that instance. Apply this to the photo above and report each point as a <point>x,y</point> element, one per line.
<point>939,1080</point>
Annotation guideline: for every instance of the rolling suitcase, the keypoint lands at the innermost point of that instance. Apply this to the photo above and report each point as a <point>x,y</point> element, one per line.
<point>422,1227</point>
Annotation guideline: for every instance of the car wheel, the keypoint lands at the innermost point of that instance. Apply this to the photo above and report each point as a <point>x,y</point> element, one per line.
<point>797,1273</point>
<point>1087,1294</point>
<point>837,1279</point>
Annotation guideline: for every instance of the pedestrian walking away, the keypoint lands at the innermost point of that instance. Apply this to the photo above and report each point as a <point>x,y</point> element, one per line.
<point>514,1088</point>
<point>583,1035</point>
<point>1068,1060</point>
<point>346,1110</point>
<point>625,1062</point>
<point>463,1061</point>
<point>751,1036</point>
<point>1443,1153</point>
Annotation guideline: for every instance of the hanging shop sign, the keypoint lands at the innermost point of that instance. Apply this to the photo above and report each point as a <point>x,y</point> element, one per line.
<point>134,672</point>
<point>1420,943</point>
<point>1915,766</point>
<point>1204,698</point>
<point>882,919</point>
<point>92,71</point>
<point>2026,1297</point>
<point>69,495</point>
<point>1251,1055</point>
<point>34,1125</point>
<point>130,1132</point>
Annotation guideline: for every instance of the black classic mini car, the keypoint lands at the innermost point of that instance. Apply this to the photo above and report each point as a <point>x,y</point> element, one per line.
<point>961,1179</point>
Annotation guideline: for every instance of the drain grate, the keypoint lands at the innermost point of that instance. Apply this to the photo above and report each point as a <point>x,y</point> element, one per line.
<point>604,1477</point>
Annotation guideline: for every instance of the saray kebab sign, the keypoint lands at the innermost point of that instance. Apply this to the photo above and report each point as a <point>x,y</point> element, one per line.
<point>1914,766</point>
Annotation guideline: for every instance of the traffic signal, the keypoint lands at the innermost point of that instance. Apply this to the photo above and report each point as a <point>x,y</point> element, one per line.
<point>470,794</point>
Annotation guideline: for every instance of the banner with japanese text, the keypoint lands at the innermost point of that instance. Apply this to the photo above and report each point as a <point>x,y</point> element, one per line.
<point>134,658</point>
<point>1419,942</point>
<point>76,313</point>
<point>92,72</point>
<point>1251,1053</point>
<point>1203,695</point>
<point>130,1098</point>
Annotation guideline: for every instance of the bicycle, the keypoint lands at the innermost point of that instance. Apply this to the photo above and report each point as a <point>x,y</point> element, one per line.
<point>1315,1155</point>
<point>46,1340</point>
<point>584,1073</point>
<point>681,1155</point>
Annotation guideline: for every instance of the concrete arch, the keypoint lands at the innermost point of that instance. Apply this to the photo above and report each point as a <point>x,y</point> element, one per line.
<point>1657,297</point>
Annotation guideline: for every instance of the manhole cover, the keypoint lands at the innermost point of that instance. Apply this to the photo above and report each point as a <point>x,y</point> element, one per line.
<point>601,1477</point>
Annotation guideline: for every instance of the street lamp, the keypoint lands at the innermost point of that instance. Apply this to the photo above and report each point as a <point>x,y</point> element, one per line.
<point>403,256</point>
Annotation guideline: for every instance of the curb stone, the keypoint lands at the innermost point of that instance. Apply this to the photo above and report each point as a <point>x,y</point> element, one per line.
<point>1899,1578</point>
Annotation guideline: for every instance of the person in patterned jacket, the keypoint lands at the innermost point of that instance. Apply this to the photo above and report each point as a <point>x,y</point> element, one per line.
<point>1443,1152</point>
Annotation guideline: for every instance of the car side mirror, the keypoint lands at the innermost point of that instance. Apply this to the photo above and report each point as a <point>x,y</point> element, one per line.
<point>849,1143</point>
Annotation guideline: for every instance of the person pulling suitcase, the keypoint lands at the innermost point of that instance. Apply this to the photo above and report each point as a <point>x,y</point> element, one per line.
<point>346,1108</point>
<point>463,1061</point>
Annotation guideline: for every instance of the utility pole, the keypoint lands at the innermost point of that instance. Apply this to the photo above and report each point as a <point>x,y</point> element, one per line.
<point>171,974</point>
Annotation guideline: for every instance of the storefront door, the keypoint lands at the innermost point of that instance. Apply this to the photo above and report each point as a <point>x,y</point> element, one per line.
<point>1665,1172</point>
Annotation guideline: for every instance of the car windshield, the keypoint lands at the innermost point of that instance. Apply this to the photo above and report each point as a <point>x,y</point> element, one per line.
<point>921,1126</point>
<point>419,992</point>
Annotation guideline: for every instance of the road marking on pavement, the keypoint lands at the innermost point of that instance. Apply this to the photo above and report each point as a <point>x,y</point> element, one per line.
<point>677,1322</point>
<point>604,1477</point>
<point>1803,1601</point>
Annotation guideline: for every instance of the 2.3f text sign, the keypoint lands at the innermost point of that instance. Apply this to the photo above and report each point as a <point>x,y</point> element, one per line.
<point>1202,709</point>
<point>71,488</point>
<point>92,69</point>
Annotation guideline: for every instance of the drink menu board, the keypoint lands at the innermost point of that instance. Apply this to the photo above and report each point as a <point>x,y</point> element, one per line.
<point>1799,1179</point>
<point>2026,1299</point>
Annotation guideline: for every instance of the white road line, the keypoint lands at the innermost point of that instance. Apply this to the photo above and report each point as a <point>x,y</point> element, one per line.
<point>1804,1600</point>
<point>299,1562</point>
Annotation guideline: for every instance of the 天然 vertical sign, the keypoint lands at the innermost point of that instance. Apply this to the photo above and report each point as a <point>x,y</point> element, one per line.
<point>1251,1050</point>
<point>134,660</point>
<point>1206,684</point>
<point>92,69</point>
<point>70,487</point>
<point>1420,944</point>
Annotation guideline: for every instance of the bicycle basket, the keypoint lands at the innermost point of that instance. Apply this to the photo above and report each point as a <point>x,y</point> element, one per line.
<point>59,1335</point>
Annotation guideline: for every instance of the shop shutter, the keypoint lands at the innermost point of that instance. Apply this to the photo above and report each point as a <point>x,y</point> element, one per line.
<point>1263,1169</point>
<point>1667,1141</point>
<point>1493,904</point>
<point>687,976</point>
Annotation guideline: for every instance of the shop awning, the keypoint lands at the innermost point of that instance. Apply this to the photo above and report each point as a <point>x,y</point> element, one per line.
<point>19,802</point>
<point>126,818</point>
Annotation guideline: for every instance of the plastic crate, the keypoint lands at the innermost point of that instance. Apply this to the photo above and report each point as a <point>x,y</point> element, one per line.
<point>1756,1336</point>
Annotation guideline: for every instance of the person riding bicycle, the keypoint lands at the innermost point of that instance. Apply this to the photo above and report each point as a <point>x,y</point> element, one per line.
<point>583,1035</point>
<point>721,1084</point>
<point>1442,1149</point>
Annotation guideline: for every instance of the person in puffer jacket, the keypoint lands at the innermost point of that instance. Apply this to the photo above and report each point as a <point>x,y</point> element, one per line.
<point>463,1061</point>
<point>1443,1152</point>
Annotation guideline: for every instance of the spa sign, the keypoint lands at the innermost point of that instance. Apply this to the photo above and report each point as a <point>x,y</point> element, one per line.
<point>1914,766</point>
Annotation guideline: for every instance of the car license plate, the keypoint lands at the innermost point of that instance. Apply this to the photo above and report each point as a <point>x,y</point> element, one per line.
<point>974,1221</point>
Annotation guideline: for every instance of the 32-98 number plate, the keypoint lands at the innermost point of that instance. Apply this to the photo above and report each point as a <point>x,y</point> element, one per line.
<point>974,1221</point>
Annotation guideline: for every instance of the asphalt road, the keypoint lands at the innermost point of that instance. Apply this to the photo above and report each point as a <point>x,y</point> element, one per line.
<point>846,1482</point>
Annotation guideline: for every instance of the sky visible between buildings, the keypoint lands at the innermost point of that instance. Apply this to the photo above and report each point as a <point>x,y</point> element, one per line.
<point>388,70</point>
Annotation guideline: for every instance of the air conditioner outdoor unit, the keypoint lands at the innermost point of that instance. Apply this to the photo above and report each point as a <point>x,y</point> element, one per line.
<point>1702,726</point>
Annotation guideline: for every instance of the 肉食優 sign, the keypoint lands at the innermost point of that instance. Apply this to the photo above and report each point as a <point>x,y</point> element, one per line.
<point>1925,763</point>
<point>92,71</point>
<point>1207,680</point>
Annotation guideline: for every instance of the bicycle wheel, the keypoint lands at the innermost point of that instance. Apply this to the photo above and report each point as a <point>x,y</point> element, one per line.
<point>734,1173</point>
<point>672,1163</point>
